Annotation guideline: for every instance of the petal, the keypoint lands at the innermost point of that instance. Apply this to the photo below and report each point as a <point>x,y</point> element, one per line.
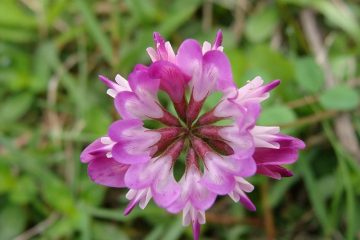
<point>108,82</point>
<point>121,154</point>
<point>240,141</point>
<point>255,91</point>
<point>130,207</point>
<point>273,171</point>
<point>138,177</point>
<point>270,86</point>
<point>91,152</point>
<point>245,200</point>
<point>218,60</point>
<point>270,156</point>
<point>141,81</point>
<point>248,120</point>
<point>142,175</point>
<point>228,108</point>
<point>216,180</point>
<point>286,154</point>
<point>201,197</point>
<point>152,54</point>
<point>196,230</point>
<point>218,40</point>
<point>265,136</point>
<point>165,189</point>
<point>114,88</point>
<point>122,101</point>
<point>108,172</point>
<point>172,80</point>
<point>248,167</point>
<point>130,106</point>
<point>189,56</point>
<point>116,130</point>
<point>122,82</point>
<point>206,47</point>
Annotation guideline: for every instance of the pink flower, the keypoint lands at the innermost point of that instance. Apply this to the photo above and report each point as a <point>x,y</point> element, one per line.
<point>217,158</point>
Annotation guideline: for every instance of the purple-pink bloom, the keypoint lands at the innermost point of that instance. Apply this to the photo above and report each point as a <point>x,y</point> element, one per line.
<point>218,158</point>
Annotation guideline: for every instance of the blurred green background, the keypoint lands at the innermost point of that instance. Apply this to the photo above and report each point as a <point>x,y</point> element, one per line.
<point>52,106</point>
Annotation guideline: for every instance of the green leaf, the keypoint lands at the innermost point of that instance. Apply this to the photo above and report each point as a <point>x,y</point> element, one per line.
<point>178,16</point>
<point>14,107</point>
<point>340,15</point>
<point>61,229</point>
<point>340,98</point>
<point>174,231</point>
<point>97,120</point>
<point>267,60</point>
<point>317,200</point>
<point>276,115</point>
<point>24,190</point>
<point>156,233</point>
<point>95,29</point>
<point>112,231</point>
<point>42,70</point>
<point>262,24</point>
<point>144,11</point>
<point>308,74</point>
<point>7,180</point>
<point>12,222</point>
<point>279,189</point>
<point>58,195</point>
<point>238,62</point>
<point>13,14</point>
<point>16,35</point>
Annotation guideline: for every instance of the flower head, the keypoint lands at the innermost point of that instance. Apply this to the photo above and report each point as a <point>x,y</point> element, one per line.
<point>217,158</point>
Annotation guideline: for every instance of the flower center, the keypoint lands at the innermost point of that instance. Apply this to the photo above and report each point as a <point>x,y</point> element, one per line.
<point>194,135</point>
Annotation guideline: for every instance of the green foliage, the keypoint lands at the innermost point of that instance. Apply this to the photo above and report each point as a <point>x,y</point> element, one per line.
<point>261,25</point>
<point>340,98</point>
<point>12,221</point>
<point>308,74</point>
<point>52,51</point>
<point>277,115</point>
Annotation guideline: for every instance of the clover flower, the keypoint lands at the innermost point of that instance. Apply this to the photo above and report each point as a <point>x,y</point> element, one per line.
<point>218,149</point>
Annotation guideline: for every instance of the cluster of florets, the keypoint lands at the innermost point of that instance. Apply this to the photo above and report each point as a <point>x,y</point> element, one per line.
<point>217,157</point>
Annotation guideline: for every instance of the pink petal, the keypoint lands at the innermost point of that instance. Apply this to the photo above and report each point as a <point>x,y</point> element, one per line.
<point>130,106</point>
<point>120,154</point>
<point>218,39</point>
<point>196,230</point>
<point>219,61</point>
<point>108,82</point>
<point>245,200</point>
<point>286,154</point>
<point>137,177</point>
<point>202,198</point>
<point>189,56</point>
<point>248,167</point>
<point>108,172</point>
<point>91,152</point>
<point>270,156</point>
<point>140,80</point>
<point>117,128</point>
<point>216,180</point>
<point>273,171</point>
<point>165,189</point>
<point>130,207</point>
<point>172,80</point>
<point>192,191</point>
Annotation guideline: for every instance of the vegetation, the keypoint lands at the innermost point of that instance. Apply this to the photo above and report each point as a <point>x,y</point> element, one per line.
<point>51,52</point>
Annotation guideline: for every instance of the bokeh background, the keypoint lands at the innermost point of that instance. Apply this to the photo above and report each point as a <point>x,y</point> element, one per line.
<point>52,105</point>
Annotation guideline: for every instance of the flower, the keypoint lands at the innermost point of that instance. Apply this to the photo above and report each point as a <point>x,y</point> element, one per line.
<point>217,158</point>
